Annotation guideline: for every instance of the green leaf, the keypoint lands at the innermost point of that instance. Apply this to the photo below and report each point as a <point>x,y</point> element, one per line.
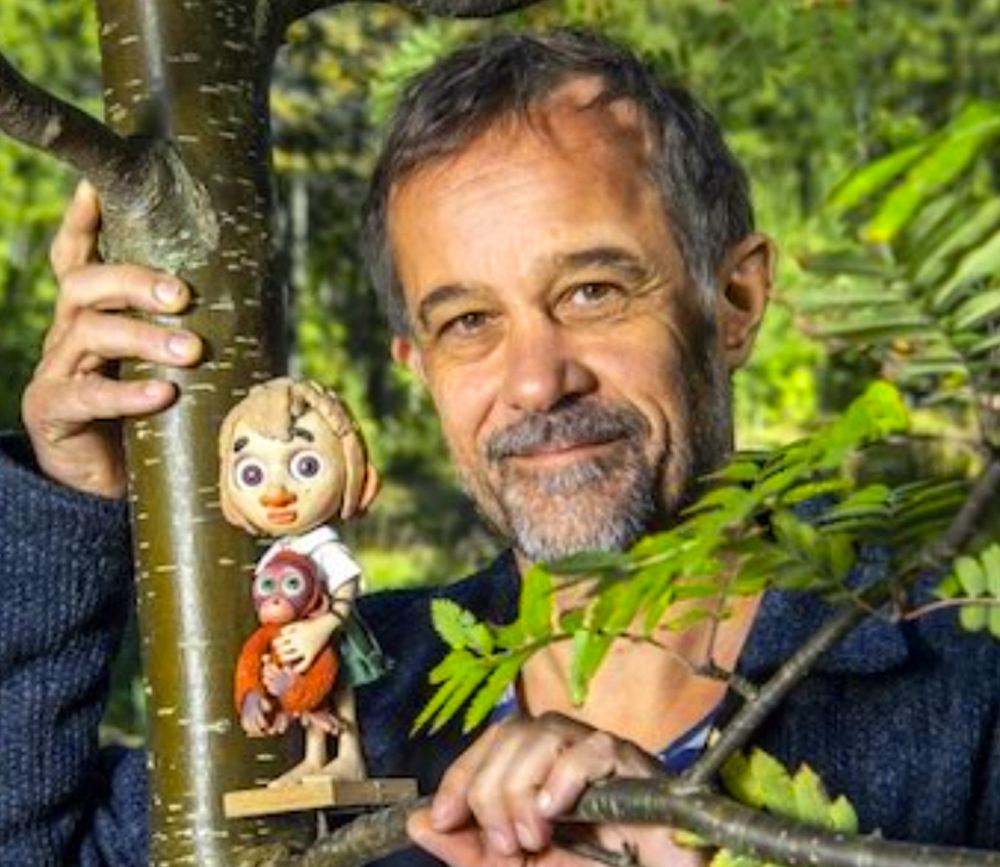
<point>981,261</point>
<point>536,602</point>
<point>868,179</point>
<point>812,804</point>
<point>589,650</point>
<point>453,623</point>
<point>488,696</point>
<point>776,790</point>
<point>972,578</point>
<point>968,234</point>
<point>859,263</point>
<point>978,309</point>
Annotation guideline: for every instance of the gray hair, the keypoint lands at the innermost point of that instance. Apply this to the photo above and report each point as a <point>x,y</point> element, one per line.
<point>704,189</point>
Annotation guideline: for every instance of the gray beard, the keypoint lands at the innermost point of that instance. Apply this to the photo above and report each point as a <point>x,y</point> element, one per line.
<point>601,504</point>
<point>609,502</point>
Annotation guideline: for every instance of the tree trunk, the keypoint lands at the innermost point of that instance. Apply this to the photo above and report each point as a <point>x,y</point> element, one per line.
<point>195,73</point>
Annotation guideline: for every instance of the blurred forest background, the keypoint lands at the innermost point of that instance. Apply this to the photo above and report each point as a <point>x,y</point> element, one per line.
<point>807,90</point>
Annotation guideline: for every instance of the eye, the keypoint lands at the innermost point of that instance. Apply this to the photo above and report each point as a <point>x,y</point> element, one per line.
<point>592,293</point>
<point>292,583</point>
<point>465,325</point>
<point>264,585</point>
<point>248,473</point>
<point>305,465</point>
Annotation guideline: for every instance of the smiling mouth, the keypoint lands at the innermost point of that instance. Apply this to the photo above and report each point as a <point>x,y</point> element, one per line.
<point>560,451</point>
<point>282,516</point>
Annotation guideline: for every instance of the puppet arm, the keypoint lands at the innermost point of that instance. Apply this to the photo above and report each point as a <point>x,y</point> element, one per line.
<point>299,643</point>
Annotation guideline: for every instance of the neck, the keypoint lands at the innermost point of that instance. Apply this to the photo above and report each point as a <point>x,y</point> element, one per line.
<point>667,678</point>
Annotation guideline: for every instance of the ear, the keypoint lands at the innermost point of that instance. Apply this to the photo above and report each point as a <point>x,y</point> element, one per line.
<point>406,353</point>
<point>744,291</point>
<point>371,488</point>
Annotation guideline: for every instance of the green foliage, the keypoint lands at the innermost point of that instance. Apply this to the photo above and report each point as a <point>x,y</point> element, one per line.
<point>793,518</point>
<point>761,781</point>
<point>976,579</point>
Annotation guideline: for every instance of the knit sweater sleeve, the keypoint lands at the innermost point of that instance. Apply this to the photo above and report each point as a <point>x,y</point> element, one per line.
<point>65,593</point>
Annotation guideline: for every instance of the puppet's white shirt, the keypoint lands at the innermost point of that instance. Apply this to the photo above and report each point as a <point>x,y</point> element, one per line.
<point>323,546</point>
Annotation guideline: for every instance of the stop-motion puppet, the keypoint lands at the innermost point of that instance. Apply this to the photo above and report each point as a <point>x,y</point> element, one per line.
<point>292,459</point>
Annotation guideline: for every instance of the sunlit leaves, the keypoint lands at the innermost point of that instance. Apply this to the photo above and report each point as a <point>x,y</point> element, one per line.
<point>792,518</point>
<point>976,578</point>
<point>761,781</point>
<point>924,298</point>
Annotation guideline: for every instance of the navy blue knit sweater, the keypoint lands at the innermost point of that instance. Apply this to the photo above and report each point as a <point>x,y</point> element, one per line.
<point>902,719</point>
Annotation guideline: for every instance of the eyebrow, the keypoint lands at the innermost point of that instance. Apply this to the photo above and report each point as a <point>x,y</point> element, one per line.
<point>618,258</point>
<point>303,434</point>
<point>436,298</point>
<point>608,256</point>
<point>240,443</point>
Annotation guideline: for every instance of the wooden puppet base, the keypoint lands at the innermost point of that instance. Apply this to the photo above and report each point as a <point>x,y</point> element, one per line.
<point>315,793</point>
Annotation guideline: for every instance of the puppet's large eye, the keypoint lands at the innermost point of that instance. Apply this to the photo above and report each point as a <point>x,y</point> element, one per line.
<point>248,473</point>
<point>292,583</point>
<point>264,585</point>
<point>305,465</point>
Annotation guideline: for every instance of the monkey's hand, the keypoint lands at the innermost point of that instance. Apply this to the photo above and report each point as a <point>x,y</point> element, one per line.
<point>324,720</point>
<point>299,643</point>
<point>255,715</point>
<point>278,679</point>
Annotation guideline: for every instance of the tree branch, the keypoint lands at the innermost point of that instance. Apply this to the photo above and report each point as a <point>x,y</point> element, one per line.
<point>40,120</point>
<point>154,211</point>
<point>748,719</point>
<point>760,835</point>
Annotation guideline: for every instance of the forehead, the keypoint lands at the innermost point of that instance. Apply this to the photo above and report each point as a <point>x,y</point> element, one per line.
<point>573,173</point>
<point>310,428</point>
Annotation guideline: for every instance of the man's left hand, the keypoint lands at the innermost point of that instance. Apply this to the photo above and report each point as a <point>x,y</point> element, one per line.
<point>497,804</point>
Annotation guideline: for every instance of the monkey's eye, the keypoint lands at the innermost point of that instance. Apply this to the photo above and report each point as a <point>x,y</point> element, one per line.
<point>264,585</point>
<point>248,473</point>
<point>292,583</point>
<point>305,465</point>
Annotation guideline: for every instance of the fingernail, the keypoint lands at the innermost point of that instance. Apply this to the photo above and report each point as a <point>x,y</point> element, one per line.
<point>181,345</point>
<point>544,800</point>
<point>441,812</point>
<point>502,843</point>
<point>156,390</point>
<point>167,293</point>
<point>527,836</point>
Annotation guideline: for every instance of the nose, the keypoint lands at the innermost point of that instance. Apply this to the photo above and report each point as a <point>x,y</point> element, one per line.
<point>543,366</point>
<point>277,497</point>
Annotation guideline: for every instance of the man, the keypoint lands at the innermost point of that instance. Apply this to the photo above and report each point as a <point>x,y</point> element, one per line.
<point>566,253</point>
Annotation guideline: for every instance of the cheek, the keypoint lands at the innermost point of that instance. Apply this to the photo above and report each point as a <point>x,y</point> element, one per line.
<point>464,400</point>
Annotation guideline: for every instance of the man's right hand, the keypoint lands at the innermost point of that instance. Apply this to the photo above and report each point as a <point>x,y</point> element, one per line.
<point>73,405</point>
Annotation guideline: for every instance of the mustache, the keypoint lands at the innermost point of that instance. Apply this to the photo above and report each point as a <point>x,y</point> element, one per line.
<point>576,423</point>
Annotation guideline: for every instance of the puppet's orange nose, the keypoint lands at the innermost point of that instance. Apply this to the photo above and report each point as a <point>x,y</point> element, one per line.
<point>277,498</point>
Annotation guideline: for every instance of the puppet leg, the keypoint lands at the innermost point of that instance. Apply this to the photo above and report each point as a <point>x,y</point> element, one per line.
<point>349,763</point>
<point>312,762</point>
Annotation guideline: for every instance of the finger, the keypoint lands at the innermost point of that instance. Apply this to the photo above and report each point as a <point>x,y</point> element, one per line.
<point>100,337</point>
<point>596,757</point>
<point>459,848</point>
<point>450,808</point>
<point>55,408</point>
<point>504,794</point>
<point>75,242</point>
<point>120,287</point>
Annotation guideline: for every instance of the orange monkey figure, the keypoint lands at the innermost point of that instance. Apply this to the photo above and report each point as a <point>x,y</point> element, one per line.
<point>269,696</point>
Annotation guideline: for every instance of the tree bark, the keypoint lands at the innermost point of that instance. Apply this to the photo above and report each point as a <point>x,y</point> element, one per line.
<point>195,75</point>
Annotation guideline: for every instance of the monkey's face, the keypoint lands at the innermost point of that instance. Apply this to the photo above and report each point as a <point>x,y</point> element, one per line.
<point>283,592</point>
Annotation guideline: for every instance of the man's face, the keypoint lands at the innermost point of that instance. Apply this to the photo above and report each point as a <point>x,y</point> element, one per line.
<point>289,487</point>
<point>580,384</point>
